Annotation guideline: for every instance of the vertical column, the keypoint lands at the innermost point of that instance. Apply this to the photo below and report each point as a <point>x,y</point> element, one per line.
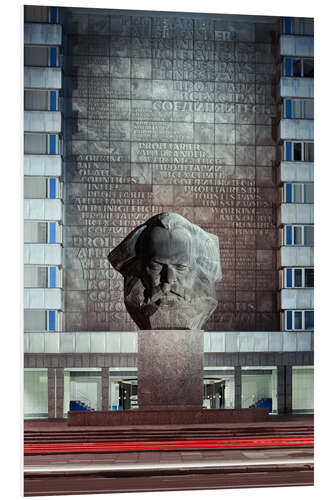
<point>105,388</point>
<point>288,389</point>
<point>59,393</point>
<point>281,386</point>
<point>238,386</point>
<point>51,392</point>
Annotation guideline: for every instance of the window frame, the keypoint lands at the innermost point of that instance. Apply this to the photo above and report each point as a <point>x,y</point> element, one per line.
<point>289,151</point>
<point>290,195</point>
<point>290,102</point>
<point>290,316</point>
<point>289,277</point>
<point>288,66</point>
<point>293,226</point>
<point>295,26</point>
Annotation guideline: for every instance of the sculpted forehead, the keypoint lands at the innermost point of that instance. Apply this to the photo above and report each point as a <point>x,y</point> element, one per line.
<point>167,244</point>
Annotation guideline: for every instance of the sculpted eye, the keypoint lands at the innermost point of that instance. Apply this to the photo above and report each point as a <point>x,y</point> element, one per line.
<point>180,267</point>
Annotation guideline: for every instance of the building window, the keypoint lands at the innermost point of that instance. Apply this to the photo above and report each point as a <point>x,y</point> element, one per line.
<point>41,56</point>
<point>36,143</point>
<point>298,151</point>
<point>52,277</point>
<point>299,320</point>
<point>297,26</point>
<point>299,235</point>
<point>299,277</point>
<point>298,193</point>
<point>54,144</point>
<point>299,108</point>
<point>52,232</point>
<point>54,15</point>
<point>41,100</point>
<point>302,389</point>
<point>298,67</point>
<point>51,321</point>
<point>36,14</point>
<point>52,188</point>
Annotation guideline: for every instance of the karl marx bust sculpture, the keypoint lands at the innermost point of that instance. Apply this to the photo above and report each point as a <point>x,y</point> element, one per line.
<point>170,267</point>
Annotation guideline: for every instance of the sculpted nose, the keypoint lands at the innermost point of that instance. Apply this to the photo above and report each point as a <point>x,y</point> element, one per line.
<point>169,275</point>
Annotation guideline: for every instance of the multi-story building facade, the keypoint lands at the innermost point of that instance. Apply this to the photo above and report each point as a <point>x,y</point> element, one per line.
<point>129,114</point>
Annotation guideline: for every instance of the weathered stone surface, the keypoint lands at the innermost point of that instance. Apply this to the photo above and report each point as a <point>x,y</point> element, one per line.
<point>164,113</point>
<point>170,267</point>
<point>169,359</point>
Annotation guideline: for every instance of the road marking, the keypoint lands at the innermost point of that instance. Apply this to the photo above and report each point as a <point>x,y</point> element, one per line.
<point>165,466</point>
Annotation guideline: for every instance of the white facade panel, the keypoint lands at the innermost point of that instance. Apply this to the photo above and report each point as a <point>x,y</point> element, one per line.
<point>53,254</point>
<point>71,342</point>
<point>45,209</point>
<point>42,121</point>
<point>47,165</point>
<point>52,342</point>
<point>289,342</point>
<point>275,341</point>
<point>216,341</point>
<point>36,342</point>
<point>261,343</point>
<point>67,342</point>
<point>43,298</point>
<point>128,342</point>
<point>82,342</point>
<point>42,34</point>
<point>35,253</point>
<point>113,342</point>
<point>98,342</point>
<point>246,342</point>
<point>296,256</point>
<point>296,172</point>
<point>292,298</point>
<point>296,87</point>
<point>232,342</point>
<point>296,129</point>
<point>296,213</point>
<point>42,78</point>
<point>301,46</point>
<point>53,209</point>
<point>304,341</point>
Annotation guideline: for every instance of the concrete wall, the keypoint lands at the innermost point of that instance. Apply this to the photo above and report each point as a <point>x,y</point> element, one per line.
<point>42,34</point>
<point>296,87</point>
<point>297,299</point>
<point>293,256</point>
<point>297,213</point>
<point>43,209</point>
<point>296,129</point>
<point>301,46</point>
<point>296,171</point>
<point>42,121</point>
<point>48,254</point>
<point>43,298</point>
<point>126,342</point>
<point>48,165</point>
<point>42,78</point>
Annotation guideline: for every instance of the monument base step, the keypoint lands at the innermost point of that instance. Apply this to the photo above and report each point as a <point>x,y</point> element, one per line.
<point>166,416</point>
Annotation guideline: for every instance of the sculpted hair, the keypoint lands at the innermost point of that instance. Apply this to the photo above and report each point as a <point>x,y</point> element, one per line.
<point>205,248</point>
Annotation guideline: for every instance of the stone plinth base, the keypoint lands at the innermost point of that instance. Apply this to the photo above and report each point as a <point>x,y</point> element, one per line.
<point>166,417</point>
<point>170,368</point>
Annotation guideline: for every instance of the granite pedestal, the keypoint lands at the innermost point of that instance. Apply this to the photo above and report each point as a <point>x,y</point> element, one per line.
<point>170,369</point>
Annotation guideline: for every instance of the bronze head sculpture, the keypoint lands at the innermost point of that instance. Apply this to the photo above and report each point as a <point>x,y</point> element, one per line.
<point>170,267</point>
